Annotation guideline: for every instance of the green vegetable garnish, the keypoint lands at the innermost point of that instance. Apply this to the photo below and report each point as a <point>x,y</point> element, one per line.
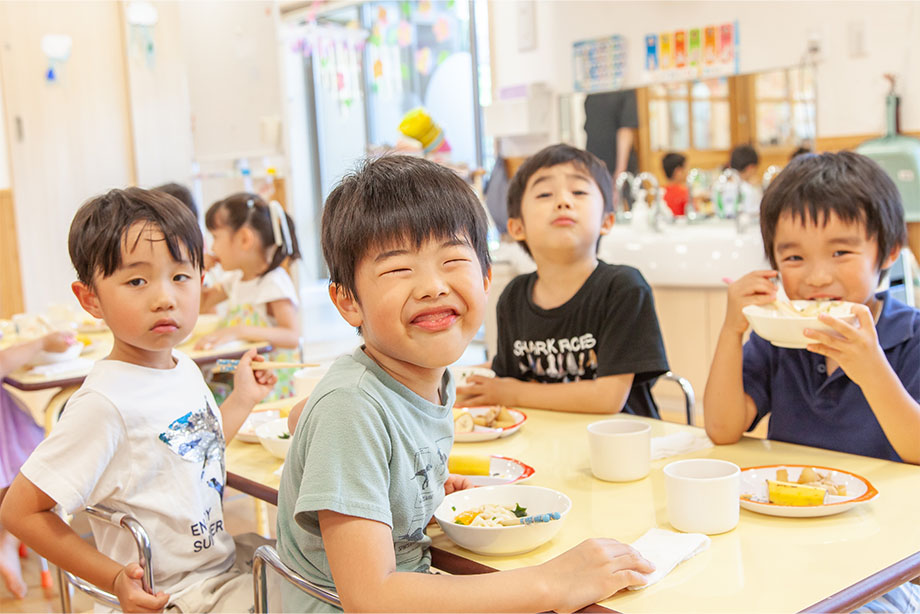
<point>284,436</point>
<point>519,511</point>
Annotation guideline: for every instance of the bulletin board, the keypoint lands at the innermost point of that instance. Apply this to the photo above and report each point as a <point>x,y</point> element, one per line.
<point>599,64</point>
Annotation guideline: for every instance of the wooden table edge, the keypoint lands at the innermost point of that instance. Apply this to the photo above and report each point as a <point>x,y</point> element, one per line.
<point>78,379</point>
<point>869,588</point>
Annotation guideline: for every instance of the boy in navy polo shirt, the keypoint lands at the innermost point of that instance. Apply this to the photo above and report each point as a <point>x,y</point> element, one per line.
<point>831,224</point>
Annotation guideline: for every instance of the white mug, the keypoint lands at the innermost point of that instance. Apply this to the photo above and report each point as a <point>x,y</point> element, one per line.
<point>703,495</point>
<point>620,449</point>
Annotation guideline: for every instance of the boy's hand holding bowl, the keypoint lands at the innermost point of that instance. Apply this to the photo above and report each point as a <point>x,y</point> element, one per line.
<point>783,323</point>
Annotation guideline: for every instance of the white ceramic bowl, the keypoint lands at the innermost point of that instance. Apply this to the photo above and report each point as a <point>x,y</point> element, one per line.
<point>503,541</point>
<point>462,373</point>
<point>205,325</point>
<point>247,432</point>
<point>306,379</point>
<point>784,329</point>
<point>47,358</point>
<point>268,435</point>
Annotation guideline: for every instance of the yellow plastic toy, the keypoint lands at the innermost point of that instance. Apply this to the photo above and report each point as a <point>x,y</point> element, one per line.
<point>417,124</point>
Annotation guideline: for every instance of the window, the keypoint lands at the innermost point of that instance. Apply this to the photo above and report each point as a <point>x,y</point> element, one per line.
<point>689,116</point>
<point>784,107</point>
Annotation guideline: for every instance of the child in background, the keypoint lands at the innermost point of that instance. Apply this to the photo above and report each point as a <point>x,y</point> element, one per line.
<point>142,435</point>
<point>676,193</point>
<point>182,193</point>
<point>405,243</point>
<point>831,224</point>
<point>251,241</point>
<point>744,159</point>
<point>18,437</point>
<point>586,327</point>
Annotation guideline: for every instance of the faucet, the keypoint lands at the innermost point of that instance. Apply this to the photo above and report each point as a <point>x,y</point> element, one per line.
<point>620,211</point>
<point>658,212</point>
<point>729,185</point>
<point>769,174</point>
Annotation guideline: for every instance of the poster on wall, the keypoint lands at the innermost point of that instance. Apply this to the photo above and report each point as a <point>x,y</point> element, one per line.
<point>692,53</point>
<point>599,64</point>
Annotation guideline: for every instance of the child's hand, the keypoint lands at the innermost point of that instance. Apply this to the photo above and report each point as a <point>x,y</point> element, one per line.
<point>217,338</point>
<point>253,385</point>
<point>131,594</point>
<point>484,391</point>
<point>456,482</point>
<point>58,341</point>
<point>856,350</point>
<point>592,571</point>
<point>755,288</point>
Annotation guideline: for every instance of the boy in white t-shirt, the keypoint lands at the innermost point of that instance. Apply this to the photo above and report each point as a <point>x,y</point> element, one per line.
<point>143,434</point>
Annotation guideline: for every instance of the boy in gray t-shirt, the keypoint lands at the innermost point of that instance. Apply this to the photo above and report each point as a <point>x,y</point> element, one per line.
<point>405,243</point>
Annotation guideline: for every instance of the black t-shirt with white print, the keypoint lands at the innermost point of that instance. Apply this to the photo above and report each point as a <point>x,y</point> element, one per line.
<point>608,327</point>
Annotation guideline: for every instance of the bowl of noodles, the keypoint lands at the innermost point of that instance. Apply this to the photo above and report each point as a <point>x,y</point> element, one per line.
<point>782,322</point>
<point>502,520</point>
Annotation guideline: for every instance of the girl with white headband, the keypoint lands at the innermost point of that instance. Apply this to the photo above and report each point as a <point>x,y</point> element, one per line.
<point>252,239</point>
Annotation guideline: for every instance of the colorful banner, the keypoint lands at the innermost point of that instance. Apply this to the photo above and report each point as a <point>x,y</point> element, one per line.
<point>651,52</point>
<point>599,64</point>
<point>692,53</point>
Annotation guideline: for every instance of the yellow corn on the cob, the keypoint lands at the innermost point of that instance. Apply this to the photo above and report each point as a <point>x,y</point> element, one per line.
<point>788,493</point>
<point>468,464</point>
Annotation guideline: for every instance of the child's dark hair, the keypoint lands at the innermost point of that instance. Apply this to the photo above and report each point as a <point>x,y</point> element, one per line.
<point>245,209</point>
<point>846,184</point>
<point>181,192</point>
<point>398,198</point>
<point>671,162</point>
<point>99,230</point>
<point>742,157</point>
<point>553,156</point>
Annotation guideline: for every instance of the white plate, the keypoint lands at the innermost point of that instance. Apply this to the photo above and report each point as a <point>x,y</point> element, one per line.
<point>503,470</point>
<point>754,482</point>
<point>485,433</point>
<point>247,432</point>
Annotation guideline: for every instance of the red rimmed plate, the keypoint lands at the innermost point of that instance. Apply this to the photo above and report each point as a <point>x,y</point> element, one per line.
<point>754,491</point>
<point>503,470</point>
<point>485,433</point>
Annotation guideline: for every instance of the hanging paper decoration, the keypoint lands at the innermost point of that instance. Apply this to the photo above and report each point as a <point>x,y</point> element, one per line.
<point>424,7</point>
<point>423,60</point>
<point>406,8</point>
<point>376,37</point>
<point>56,48</point>
<point>378,69</point>
<point>382,15</point>
<point>441,29</point>
<point>404,34</point>
<point>443,55</point>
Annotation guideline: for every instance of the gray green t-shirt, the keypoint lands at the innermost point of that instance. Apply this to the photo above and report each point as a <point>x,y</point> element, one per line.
<point>365,446</point>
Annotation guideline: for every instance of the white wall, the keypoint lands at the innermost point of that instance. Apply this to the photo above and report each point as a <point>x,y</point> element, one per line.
<point>772,34</point>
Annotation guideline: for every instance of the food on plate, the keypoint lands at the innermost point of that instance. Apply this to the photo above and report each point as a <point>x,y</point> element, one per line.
<point>813,477</point>
<point>493,416</point>
<point>807,309</point>
<point>469,464</point>
<point>790,493</point>
<point>491,515</point>
<point>284,436</point>
<point>463,421</point>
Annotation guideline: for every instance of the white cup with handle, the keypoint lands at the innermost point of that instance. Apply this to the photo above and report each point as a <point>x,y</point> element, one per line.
<point>620,449</point>
<point>703,495</point>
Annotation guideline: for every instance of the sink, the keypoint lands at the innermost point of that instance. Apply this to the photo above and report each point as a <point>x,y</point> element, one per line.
<point>698,255</point>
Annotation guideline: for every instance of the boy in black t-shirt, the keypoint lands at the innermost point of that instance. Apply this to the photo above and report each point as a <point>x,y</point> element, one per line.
<point>585,326</point>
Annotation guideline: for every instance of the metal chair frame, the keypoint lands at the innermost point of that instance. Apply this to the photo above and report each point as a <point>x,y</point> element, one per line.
<point>266,557</point>
<point>67,580</point>
<point>687,389</point>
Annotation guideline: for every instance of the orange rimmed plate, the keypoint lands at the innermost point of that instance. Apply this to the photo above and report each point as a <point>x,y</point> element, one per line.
<point>503,470</point>
<point>754,491</point>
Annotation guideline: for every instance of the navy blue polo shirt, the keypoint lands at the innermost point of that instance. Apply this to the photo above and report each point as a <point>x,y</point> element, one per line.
<point>812,409</point>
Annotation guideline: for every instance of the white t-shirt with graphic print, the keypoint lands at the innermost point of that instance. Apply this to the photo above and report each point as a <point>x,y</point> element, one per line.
<point>148,442</point>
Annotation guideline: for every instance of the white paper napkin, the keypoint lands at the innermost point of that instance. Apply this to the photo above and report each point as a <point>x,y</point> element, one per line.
<point>666,550</point>
<point>678,443</point>
<point>68,366</point>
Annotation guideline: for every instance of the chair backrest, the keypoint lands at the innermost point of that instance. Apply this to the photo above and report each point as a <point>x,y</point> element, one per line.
<point>267,557</point>
<point>67,580</point>
<point>901,278</point>
<point>687,389</point>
